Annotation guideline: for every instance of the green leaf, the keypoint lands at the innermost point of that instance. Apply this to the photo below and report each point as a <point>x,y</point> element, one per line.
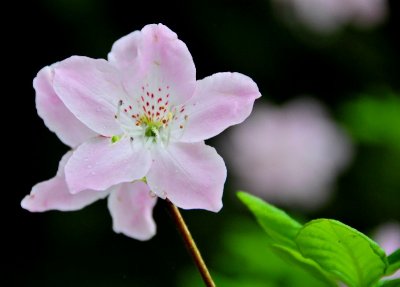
<point>279,226</point>
<point>389,283</point>
<point>294,257</point>
<point>343,251</point>
<point>282,230</point>
<point>394,262</point>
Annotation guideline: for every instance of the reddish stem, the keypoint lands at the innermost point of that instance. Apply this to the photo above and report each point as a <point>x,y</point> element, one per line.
<point>190,244</point>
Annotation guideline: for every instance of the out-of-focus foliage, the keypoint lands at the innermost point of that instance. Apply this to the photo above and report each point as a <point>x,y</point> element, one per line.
<point>372,183</point>
<point>245,259</point>
<point>389,283</point>
<point>374,119</point>
<point>394,262</point>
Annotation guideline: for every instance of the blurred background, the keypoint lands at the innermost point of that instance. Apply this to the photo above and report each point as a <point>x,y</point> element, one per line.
<point>323,141</point>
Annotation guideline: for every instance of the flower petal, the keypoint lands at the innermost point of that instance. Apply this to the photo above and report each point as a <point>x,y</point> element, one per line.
<point>220,101</point>
<point>54,194</point>
<point>91,90</point>
<point>131,208</point>
<point>191,175</point>
<point>124,53</point>
<point>98,164</point>
<point>55,114</point>
<point>157,58</point>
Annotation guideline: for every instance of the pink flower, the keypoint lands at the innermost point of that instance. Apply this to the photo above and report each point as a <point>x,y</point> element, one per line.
<point>289,155</point>
<point>137,123</point>
<point>329,15</point>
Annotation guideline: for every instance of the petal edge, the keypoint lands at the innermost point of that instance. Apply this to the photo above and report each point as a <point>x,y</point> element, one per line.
<point>220,100</point>
<point>131,207</point>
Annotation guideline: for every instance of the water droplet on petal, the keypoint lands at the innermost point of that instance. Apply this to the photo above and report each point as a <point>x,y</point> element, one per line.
<point>89,166</point>
<point>93,173</point>
<point>153,194</point>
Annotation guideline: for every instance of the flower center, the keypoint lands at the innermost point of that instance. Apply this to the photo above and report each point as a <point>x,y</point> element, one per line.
<point>151,131</point>
<point>150,117</point>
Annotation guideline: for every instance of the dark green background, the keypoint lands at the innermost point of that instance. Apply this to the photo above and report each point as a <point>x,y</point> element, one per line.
<point>80,248</point>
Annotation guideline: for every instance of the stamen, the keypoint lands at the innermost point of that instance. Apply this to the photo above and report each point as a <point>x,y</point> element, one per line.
<point>149,118</point>
<point>120,103</point>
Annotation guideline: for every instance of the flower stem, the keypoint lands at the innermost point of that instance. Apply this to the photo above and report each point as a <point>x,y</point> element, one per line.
<point>190,244</point>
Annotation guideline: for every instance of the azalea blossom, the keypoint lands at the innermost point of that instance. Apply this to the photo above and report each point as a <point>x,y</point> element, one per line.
<point>137,124</point>
<point>329,15</point>
<point>289,155</point>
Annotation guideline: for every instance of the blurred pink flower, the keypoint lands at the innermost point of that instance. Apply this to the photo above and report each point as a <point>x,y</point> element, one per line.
<point>329,15</point>
<point>388,237</point>
<point>138,122</point>
<point>289,155</point>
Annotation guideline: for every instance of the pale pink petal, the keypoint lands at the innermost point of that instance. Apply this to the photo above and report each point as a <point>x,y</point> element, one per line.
<point>55,114</point>
<point>98,164</point>
<point>220,101</point>
<point>91,90</point>
<point>157,60</point>
<point>191,175</point>
<point>124,53</point>
<point>53,194</point>
<point>131,208</point>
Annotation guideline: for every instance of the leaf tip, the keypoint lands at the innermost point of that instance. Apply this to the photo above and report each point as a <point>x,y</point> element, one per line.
<point>242,195</point>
